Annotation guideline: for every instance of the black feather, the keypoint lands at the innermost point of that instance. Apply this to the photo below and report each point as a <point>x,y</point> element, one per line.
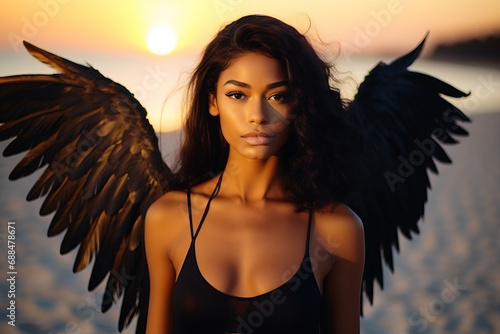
<point>102,163</point>
<point>405,119</point>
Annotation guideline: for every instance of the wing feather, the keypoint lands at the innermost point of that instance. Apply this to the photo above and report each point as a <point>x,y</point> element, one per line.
<point>406,120</point>
<point>102,170</point>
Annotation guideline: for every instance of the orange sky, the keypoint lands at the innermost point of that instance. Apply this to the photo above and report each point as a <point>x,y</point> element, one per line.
<point>119,25</point>
<point>111,34</point>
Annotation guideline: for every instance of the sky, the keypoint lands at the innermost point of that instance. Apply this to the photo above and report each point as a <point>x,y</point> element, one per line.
<point>111,35</point>
<point>121,25</point>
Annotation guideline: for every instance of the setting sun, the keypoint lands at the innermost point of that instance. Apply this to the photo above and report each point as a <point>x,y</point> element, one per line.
<point>161,40</point>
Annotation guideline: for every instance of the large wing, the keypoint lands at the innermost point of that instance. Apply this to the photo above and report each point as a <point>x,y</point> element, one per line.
<point>405,119</point>
<point>103,169</point>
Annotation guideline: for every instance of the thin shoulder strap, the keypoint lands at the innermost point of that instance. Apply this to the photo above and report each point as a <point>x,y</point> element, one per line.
<point>189,211</point>
<point>214,194</point>
<point>309,224</point>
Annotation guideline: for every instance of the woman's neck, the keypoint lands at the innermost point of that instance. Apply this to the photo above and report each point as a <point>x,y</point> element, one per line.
<point>252,181</point>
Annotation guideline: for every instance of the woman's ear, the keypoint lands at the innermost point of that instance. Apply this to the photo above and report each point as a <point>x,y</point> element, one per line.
<point>212,105</point>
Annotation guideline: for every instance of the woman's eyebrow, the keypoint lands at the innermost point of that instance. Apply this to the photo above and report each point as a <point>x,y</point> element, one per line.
<point>277,84</point>
<point>237,83</point>
<point>245,85</point>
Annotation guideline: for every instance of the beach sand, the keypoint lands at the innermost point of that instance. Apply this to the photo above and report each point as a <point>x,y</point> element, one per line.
<point>447,279</point>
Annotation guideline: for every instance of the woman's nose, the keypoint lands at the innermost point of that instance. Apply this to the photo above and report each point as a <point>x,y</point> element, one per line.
<point>259,111</point>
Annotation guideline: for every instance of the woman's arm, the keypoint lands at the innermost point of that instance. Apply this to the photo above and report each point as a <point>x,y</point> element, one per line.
<point>342,284</point>
<point>161,271</point>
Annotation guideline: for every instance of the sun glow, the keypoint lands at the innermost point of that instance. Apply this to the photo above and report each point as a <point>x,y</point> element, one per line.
<point>161,40</point>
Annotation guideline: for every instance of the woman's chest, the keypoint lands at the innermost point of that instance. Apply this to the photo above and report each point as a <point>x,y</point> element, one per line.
<point>245,252</point>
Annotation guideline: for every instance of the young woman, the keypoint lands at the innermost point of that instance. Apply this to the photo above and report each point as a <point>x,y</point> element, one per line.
<point>256,238</point>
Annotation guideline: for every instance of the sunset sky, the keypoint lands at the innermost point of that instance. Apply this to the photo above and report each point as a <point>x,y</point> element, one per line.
<point>111,35</point>
<point>122,25</point>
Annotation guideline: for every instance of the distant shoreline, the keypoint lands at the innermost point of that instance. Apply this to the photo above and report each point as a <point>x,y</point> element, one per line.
<point>465,60</point>
<point>476,51</point>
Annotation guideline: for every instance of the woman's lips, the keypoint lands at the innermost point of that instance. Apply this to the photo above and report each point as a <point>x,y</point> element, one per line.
<point>258,138</point>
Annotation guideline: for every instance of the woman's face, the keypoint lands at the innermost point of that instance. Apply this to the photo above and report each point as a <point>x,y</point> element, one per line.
<point>254,104</point>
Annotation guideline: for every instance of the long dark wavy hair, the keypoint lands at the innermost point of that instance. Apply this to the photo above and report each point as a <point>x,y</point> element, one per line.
<point>319,162</point>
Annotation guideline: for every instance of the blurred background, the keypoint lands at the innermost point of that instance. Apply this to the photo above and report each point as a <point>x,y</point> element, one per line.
<point>152,46</point>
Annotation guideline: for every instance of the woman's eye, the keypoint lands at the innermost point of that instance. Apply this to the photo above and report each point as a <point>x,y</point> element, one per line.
<point>281,97</point>
<point>236,95</point>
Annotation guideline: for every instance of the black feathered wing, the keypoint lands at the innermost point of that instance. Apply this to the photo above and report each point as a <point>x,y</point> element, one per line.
<point>103,168</point>
<point>405,119</point>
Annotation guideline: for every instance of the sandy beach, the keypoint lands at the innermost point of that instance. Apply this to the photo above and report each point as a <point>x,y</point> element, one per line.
<point>447,279</point>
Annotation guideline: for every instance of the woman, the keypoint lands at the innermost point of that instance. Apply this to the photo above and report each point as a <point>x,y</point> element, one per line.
<point>260,241</point>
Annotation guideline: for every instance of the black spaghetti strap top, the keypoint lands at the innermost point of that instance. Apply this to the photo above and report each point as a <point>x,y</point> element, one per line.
<point>292,308</point>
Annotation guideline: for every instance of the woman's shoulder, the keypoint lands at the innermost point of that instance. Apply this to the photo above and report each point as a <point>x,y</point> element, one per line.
<point>339,225</point>
<point>168,203</point>
<point>338,215</point>
<point>173,205</point>
<point>167,213</point>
